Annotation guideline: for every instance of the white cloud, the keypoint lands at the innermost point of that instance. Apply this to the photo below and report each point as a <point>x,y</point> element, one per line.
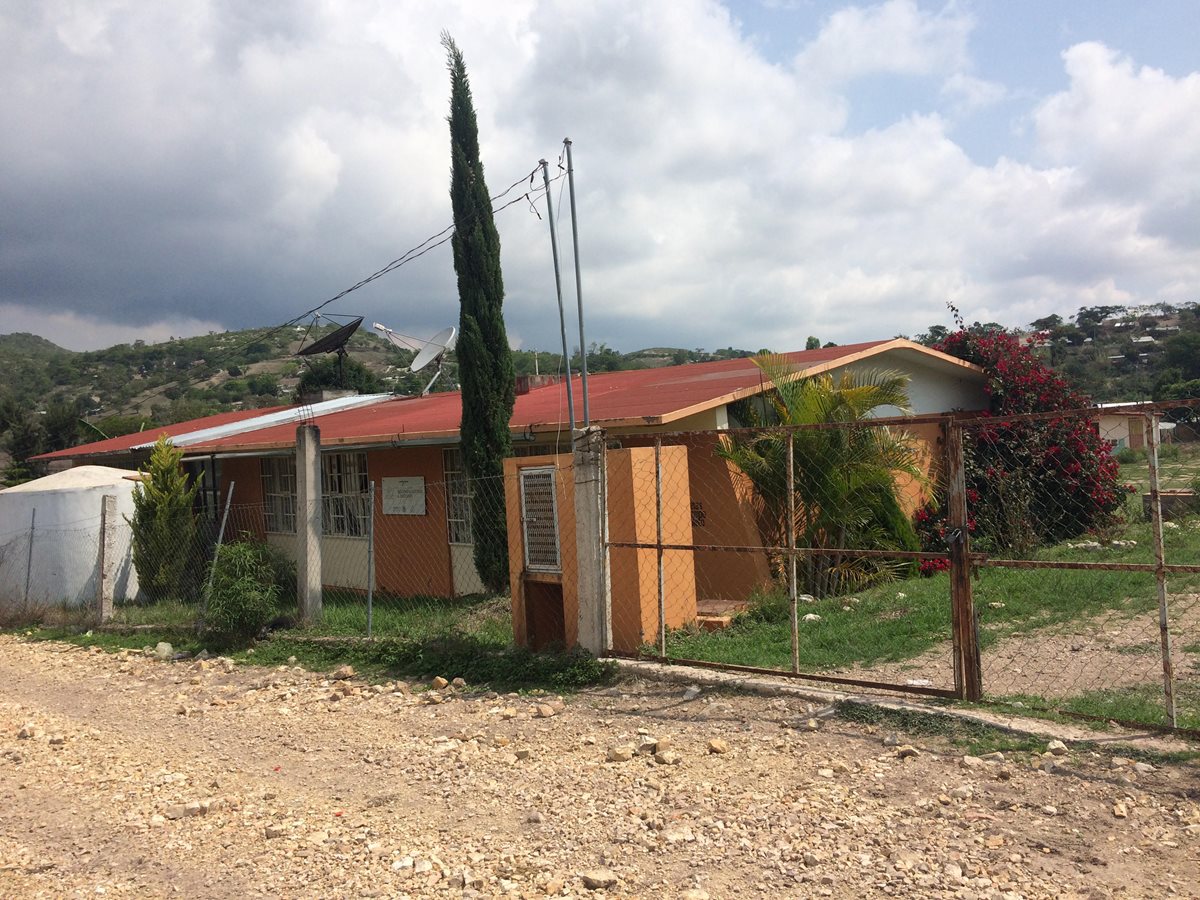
<point>894,37</point>
<point>239,163</point>
<point>968,93</point>
<point>1133,134</point>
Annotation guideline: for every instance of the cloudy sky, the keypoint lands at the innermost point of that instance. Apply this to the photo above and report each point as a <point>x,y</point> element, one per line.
<point>749,172</point>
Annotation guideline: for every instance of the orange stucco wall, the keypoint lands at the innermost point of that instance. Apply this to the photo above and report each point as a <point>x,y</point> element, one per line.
<point>412,553</point>
<point>632,518</point>
<point>245,514</point>
<point>726,500</point>
<point>633,572</point>
<point>912,493</point>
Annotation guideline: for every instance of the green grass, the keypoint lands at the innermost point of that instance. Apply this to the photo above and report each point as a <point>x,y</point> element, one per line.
<point>1141,703</point>
<point>114,642</point>
<point>168,614</point>
<point>468,637</point>
<point>345,613</point>
<point>482,663</point>
<point>1178,468</point>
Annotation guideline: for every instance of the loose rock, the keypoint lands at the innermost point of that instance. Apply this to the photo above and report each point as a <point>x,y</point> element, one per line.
<point>596,879</point>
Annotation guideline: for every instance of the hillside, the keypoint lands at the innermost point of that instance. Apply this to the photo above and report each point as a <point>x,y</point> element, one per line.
<point>1117,353</point>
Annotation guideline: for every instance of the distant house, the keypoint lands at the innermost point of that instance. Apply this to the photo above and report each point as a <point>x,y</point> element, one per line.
<point>1124,427</point>
<point>404,451</point>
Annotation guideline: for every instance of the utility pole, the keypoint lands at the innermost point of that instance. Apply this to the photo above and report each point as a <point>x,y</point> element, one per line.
<point>562,321</point>
<point>587,418</point>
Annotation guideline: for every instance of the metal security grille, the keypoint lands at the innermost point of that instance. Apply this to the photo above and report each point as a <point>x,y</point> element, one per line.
<point>539,520</point>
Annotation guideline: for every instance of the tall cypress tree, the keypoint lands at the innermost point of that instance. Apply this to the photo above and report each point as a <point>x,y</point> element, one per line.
<point>484,359</point>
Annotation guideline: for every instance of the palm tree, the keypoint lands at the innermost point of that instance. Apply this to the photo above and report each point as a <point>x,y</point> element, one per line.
<point>845,477</point>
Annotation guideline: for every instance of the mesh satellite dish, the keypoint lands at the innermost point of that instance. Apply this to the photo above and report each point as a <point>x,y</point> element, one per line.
<point>334,342</point>
<point>432,351</point>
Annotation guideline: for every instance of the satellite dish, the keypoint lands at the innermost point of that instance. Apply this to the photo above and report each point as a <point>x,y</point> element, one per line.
<point>334,342</point>
<point>435,348</point>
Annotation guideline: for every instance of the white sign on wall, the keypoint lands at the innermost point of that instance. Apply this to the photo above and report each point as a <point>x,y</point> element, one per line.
<point>404,496</point>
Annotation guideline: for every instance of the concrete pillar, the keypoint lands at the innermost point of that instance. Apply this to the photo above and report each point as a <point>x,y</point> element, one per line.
<point>308,521</point>
<point>592,561</point>
<point>106,579</point>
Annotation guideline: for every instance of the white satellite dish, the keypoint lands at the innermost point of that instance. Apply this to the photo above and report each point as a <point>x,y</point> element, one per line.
<point>435,348</point>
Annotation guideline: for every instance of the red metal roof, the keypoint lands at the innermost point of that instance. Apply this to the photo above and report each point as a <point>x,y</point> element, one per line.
<point>647,396</point>
<point>629,398</point>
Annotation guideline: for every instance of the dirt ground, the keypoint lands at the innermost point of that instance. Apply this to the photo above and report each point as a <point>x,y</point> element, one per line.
<point>204,779</point>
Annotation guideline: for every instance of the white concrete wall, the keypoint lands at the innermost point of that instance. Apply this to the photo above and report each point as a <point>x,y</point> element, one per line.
<point>343,559</point>
<point>930,389</point>
<point>64,565</point>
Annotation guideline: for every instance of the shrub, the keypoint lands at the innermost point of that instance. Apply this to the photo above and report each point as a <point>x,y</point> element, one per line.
<point>244,594</point>
<point>1028,481</point>
<point>166,545</point>
<point>1127,455</point>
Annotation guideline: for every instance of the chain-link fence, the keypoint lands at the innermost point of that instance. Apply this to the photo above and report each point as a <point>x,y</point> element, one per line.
<point>1043,561</point>
<point>1085,532</point>
<point>788,549</point>
<point>48,570</point>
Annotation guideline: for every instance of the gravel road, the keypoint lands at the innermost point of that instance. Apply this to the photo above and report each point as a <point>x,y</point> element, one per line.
<point>121,775</point>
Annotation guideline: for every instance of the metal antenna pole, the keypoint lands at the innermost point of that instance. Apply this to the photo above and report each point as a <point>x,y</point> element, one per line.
<point>562,321</point>
<point>587,418</point>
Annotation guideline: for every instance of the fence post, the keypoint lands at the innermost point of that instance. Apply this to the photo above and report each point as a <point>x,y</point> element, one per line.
<point>1160,572</point>
<point>658,541</point>
<point>308,521</point>
<point>370,557</point>
<point>106,581</point>
<point>29,557</point>
<point>793,599</point>
<point>589,550</point>
<point>212,570</point>
<point>968,675</point>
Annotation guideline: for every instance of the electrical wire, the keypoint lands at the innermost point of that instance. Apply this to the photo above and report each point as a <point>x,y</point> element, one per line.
<point>430,243</point>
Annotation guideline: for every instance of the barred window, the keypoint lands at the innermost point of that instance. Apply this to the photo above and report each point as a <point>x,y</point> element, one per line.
<point>279,494</point>
<point>458,498</point>
<point>344,491</point>
<point>539,518</point>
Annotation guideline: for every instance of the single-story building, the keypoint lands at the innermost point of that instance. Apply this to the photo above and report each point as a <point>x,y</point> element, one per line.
<point>404,452</point>
<point>1124,427</point>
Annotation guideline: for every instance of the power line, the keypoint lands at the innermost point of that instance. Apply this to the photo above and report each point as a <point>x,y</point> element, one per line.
<point>430,243</point>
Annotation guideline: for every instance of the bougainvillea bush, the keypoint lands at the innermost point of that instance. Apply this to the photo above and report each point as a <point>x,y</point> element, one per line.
<point>1029,482</point>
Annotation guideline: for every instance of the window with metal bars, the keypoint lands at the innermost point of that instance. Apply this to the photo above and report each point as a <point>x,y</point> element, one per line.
<point>539,520</point>
<point>344,490</point>
<point>458,498</point>
<point>344,493</point>
<point>279,494</point>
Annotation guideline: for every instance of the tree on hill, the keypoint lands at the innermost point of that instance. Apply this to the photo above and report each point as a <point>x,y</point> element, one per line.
<point>326,373</point>
<point>485,361</point>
